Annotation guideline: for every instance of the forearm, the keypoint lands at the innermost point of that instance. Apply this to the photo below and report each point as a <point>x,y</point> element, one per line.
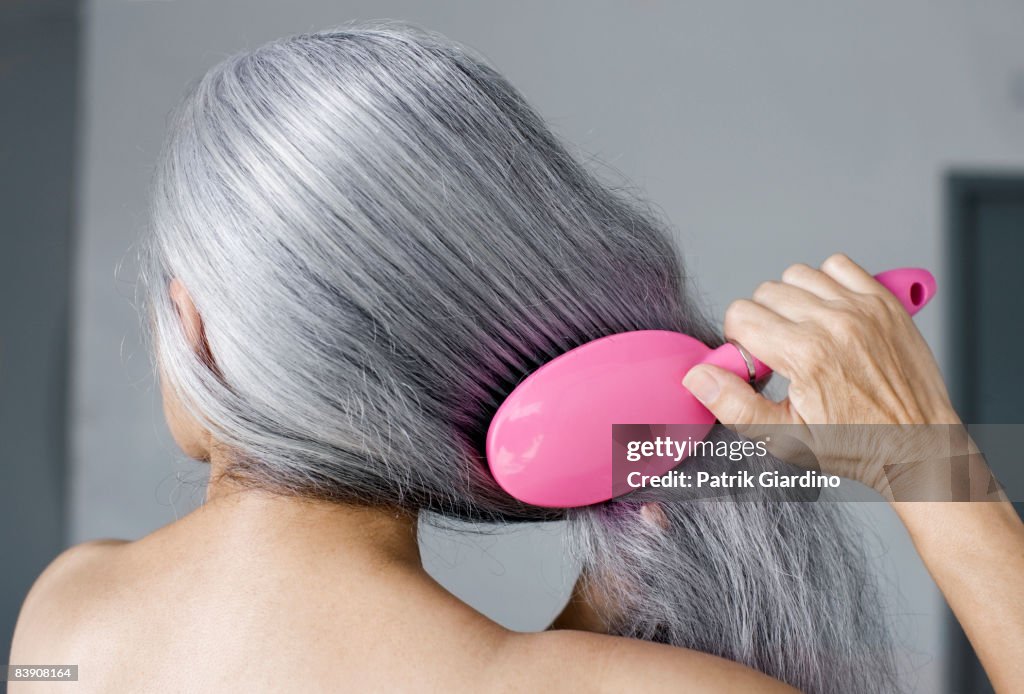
<point>853,358</point>
<point>975,552</point>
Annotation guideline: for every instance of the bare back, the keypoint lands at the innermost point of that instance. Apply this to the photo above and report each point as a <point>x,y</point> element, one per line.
<point>260,596</point>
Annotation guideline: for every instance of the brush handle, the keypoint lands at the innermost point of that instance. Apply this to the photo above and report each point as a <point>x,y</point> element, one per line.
<point>914,287</point>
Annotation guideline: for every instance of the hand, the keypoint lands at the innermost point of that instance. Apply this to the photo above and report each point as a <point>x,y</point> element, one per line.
<point>853,356</point>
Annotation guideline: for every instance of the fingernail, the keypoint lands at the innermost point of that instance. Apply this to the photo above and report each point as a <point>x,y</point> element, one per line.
<point>702,384</point>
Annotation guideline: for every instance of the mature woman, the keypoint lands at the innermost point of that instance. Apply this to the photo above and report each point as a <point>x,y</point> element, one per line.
<point>362,240</point>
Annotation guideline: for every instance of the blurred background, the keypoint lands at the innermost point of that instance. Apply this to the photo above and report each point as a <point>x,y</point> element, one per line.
<point>767,133</point>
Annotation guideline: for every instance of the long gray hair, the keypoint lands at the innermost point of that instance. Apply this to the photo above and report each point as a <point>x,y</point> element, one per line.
<point>383,238</point>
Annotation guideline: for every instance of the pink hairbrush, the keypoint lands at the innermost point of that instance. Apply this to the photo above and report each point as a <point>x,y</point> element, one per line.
<point>550,442</point>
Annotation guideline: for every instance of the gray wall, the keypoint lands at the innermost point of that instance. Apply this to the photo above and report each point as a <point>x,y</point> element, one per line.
<point>38,77</point>
<point>768,133</point>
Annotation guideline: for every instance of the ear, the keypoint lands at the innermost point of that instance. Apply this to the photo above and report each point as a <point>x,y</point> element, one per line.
<point>191,321</point>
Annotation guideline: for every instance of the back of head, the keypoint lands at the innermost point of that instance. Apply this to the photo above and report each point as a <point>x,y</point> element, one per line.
<point>382,239</point>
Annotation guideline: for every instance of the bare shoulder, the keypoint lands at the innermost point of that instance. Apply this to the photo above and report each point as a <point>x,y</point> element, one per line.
<point>60,595</point>
<point>601,663</point>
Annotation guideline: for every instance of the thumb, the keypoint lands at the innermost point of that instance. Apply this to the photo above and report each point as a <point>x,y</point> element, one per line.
<point>732,400</point>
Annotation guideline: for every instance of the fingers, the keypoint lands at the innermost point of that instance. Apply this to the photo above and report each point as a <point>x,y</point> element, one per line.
<point>789,301</point>
<point>814,282</point>
<point>839,280</point>
<point>736,405</point>
<point>850,275</point>
<point>764,333</point>
<point>733,402</point>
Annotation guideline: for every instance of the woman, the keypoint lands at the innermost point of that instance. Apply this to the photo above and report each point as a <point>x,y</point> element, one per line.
<point>362,240</point>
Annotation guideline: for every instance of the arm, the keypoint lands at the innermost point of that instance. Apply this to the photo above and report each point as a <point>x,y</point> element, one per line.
<point>975,553</point>
<point>854,357</point>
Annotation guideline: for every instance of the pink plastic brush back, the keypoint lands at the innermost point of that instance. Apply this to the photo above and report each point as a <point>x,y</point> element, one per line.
<point>550,442</point>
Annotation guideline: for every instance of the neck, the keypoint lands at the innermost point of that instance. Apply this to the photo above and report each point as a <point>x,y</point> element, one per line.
<point>376,533</point>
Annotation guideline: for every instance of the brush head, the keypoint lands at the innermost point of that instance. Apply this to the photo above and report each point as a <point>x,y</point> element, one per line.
<point>550,443</point>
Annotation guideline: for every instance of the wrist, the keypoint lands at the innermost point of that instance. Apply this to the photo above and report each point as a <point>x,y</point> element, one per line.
<point>933,462</point>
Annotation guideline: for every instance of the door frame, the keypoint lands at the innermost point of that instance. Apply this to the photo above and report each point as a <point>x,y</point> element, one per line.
<point>965,191</point>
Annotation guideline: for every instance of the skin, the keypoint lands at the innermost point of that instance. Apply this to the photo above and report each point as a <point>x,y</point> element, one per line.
<point>257,592</point>
<point>854,356</point>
